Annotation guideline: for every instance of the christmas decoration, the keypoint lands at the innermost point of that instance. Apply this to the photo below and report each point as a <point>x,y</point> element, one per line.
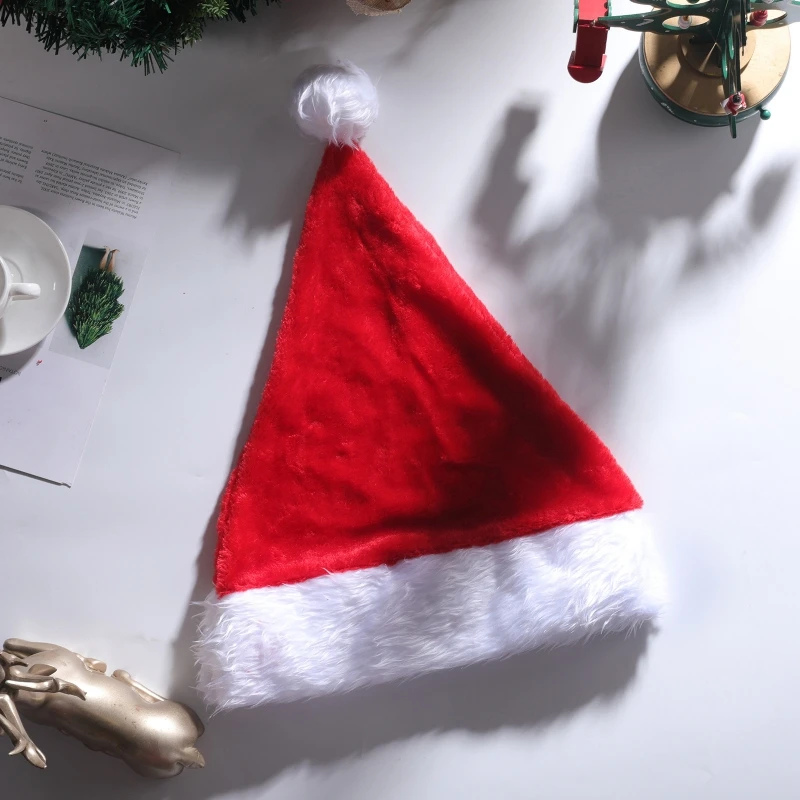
<point>735,104</point>
<point>16,677</point>
<point>112,714</point>
<point>95,306</point>
<point>144,32</point>
<point>413,495</point>
<point>694,64</point>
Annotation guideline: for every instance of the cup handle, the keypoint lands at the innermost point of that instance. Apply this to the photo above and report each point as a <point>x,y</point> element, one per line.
<point>24,291</point>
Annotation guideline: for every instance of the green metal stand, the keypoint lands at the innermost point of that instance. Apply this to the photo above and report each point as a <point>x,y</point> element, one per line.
<point>691,91</point>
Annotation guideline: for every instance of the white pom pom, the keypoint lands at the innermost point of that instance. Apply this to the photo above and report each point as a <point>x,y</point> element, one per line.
<point>335,103</point>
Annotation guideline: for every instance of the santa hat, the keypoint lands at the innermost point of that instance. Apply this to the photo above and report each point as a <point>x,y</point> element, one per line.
<point>414,495</point>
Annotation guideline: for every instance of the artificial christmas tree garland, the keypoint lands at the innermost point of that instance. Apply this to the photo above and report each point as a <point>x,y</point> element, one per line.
<point>145,32</point>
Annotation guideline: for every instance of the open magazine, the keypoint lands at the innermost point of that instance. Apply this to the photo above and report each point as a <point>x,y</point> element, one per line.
<point>102,193</point>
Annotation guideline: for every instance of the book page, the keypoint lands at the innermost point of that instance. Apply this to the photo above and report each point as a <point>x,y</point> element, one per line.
<point>101,193</point>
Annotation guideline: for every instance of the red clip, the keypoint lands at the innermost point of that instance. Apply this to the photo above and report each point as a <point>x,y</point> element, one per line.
<point>589,56</point>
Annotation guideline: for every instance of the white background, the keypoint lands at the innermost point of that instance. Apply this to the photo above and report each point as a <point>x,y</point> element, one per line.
<point>650,269</point>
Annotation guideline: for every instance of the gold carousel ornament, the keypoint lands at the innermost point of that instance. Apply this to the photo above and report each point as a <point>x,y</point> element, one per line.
<point>113,714</point>
<point>707,62</point>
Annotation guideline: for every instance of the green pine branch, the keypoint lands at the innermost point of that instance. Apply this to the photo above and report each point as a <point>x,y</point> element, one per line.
<point>147,33</point>
<point>95,307</point>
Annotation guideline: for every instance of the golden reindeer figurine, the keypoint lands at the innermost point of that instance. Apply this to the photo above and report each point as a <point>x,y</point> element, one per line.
<point>111,713</point>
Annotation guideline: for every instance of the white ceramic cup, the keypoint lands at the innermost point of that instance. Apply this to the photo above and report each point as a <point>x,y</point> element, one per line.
<point>10,291</point>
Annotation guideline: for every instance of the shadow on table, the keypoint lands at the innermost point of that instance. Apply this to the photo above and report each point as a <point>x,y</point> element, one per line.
<point>249,748</point>
<point>233,90</point>
<point>592,285</point>
<point>276,37</point>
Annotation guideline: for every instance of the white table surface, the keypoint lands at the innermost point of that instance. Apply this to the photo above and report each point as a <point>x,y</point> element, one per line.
<point>650,269</point>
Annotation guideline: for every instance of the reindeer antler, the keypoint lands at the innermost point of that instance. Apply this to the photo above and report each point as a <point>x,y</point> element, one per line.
<point>15,676</point>
<point>10,659</point>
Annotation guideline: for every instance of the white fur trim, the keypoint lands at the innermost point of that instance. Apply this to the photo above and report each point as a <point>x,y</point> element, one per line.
<point>335,103</point>
<point>349,629</point>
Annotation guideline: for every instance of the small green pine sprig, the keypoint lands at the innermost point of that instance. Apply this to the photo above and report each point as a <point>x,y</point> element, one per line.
<point>94,308</point>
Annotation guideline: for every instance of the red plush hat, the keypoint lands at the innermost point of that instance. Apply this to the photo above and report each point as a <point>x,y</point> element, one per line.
<point>413,495</point>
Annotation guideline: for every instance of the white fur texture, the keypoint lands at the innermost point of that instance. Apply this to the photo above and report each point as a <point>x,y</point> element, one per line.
<point>335,103</point>
<point>349,629</point>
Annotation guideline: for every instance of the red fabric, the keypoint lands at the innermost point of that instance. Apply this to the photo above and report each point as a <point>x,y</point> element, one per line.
<point>399,419</point>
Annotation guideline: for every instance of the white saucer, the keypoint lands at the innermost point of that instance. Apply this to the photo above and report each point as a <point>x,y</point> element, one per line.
<point>35,255</point>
